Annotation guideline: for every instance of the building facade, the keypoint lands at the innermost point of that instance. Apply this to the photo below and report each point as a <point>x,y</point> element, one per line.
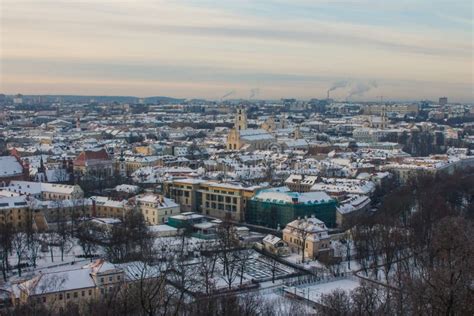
<point>277,207</point>
<point>309,235</point>
<point>220,200</point>
<point>93,164</point>
<point>156,209</point>
<point>241,137</point>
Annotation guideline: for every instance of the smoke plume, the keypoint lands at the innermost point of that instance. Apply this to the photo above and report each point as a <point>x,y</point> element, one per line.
<point>339,84</point>
<point>228,94</point>
<point>360,88</point>
<point>254,92</point>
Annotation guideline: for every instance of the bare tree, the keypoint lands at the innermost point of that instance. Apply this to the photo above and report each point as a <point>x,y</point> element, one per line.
<point>244,256</point>
<point>20,247</point>
<point>227,244</point>
<point>206,264</point>
<point>6,236</point>
<point>87,235</point>
<point>302,233</point>
<point>273,264</point>
<point>336,303</point>
<point>34,248</point>
<point>130,240</point>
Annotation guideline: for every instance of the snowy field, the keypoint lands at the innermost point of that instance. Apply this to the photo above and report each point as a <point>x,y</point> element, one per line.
<point>313,292</point>
<point>260,269</point>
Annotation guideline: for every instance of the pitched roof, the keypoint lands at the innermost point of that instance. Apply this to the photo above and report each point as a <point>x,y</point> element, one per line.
<point>10,166</point>
<point>91,155</point>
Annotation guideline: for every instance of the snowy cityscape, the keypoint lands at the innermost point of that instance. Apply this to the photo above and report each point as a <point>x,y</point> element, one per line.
<point>236,158</point>
<point>197,201</point>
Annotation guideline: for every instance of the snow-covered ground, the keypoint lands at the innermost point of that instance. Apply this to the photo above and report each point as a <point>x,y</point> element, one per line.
<point>313,292</point>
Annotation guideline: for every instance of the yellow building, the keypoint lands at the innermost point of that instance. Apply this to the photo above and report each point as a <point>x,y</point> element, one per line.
<point>134,163</point>
<point>211,198</point>
<point>102,206</point>
<point>240,137</point>
<point>308,234</point>
<point>57,289</point>
<point>16,212</point>
<point>143,150</point>
<point>45,191</point>
<point>156,209</point>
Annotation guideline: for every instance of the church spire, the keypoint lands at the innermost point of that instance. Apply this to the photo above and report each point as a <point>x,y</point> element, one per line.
<point>240,119</point>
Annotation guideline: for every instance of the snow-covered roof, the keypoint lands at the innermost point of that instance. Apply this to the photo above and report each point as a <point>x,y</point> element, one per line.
<point>271,239</point>
<point>162,228</point>
<point>9,166</point>
<point>60,281</point>
<point>283,195</point>
<point>29,187</point>
<point>158,201</point>
<point>105,201</point>
<point>353,203</point>
<point>13,202</point>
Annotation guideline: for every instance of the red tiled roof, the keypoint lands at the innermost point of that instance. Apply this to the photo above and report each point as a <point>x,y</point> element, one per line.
<point>91,155</point>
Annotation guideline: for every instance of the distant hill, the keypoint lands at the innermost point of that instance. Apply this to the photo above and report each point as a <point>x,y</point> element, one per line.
<point>104,99</point>
<point>163,100</point>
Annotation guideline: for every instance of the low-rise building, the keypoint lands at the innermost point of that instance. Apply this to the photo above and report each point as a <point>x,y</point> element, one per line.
<point>156,209</point>
<point>16,212</point>
<point>104,207</point>
<point>216,199</point>
<point>12,168</point>
<point>277,207</point>
<point>309,235</point>
<point>275,245</point>
<point>350,207</point>
<point>45,191</point>
<point>300,183</point>
<point>76,285</point>
<point>93,164</point>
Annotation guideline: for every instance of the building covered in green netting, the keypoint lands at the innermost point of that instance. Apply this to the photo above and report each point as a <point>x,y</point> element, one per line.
<point>276,207</point>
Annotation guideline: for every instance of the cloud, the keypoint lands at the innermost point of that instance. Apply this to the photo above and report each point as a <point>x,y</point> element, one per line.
<point>288,44</point>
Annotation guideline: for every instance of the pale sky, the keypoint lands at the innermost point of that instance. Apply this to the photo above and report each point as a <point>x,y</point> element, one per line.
<point>400,49</point>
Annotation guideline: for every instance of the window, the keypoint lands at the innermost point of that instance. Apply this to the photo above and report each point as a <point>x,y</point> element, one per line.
<point>110,279</point>
<point>44,299</point>
<point>90,292</point>
<point>101,280</point>
<point>68,296</point>
<point>75,294</point>
<point>83,293</point>
<point>60,297</point>
<point>118,277</point>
